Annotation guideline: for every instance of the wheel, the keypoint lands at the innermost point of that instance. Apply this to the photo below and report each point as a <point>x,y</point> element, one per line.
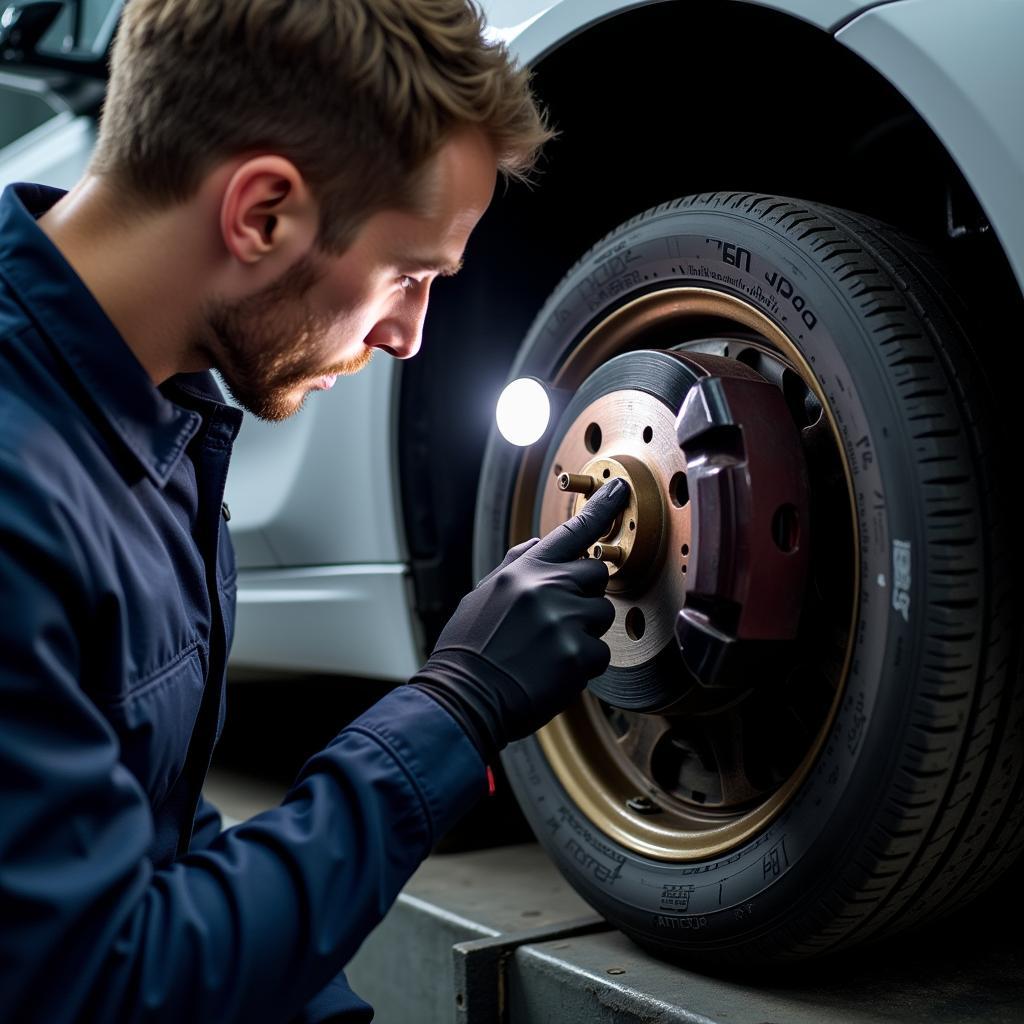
<point>810,731</point>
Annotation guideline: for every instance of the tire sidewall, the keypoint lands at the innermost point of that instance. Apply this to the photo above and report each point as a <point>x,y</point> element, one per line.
<point>742,894</point>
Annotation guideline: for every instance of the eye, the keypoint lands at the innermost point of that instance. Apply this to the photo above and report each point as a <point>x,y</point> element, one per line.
<point>405,282</point>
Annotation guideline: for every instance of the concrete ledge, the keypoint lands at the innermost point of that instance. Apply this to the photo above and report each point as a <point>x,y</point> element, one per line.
<point>498,936</point>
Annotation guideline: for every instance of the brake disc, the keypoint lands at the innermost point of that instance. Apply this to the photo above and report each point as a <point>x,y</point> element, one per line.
<point>621,422</point>
<point>712,550</point>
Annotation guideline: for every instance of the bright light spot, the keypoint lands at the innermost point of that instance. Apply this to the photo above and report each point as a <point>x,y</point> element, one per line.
<point>523,411</point>
<point>494,34</point>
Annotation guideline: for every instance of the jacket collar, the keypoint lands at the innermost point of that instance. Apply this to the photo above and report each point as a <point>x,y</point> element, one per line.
<point>152,428</point>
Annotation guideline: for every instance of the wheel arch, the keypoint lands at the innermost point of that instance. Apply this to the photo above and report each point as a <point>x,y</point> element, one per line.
<point>752,98</point>
<point>935,58</point>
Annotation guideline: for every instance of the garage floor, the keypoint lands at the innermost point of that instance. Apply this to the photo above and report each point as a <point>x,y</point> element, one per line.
<point>498,936</point>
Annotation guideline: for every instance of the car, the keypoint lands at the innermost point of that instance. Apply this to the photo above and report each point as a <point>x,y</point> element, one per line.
<point>773,275</point>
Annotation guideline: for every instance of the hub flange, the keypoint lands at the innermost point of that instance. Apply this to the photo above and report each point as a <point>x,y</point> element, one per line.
<point>632,543</point>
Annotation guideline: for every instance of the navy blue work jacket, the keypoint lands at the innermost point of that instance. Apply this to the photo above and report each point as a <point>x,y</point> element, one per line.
<point>120,898</point>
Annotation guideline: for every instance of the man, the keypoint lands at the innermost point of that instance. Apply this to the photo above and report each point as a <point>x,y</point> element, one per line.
<point>276,185</point>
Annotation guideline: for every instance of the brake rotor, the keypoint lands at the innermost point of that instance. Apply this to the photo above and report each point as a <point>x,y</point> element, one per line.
<point>621,423</point>
<point>723,574</point>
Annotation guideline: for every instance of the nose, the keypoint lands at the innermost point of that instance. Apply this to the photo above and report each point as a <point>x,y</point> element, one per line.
<point>399,343</point>
<point>401,333</point>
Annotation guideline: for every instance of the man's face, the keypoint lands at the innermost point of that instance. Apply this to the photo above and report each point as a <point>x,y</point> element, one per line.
<point>325,315</point>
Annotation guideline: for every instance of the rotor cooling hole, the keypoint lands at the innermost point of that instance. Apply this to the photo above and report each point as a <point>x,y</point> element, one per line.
<point>678,490</point>
<point>635,624</point>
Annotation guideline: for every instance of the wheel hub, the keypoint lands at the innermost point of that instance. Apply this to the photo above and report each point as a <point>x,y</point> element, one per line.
<point>631,544</point>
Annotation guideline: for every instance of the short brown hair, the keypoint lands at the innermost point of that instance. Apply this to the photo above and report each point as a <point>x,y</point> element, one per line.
<point>359,94</point>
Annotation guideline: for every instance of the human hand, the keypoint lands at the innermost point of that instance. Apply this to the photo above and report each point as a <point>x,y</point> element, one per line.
<point>525,642</point>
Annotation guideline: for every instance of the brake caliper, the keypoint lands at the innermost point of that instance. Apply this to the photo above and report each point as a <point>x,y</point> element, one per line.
<point>750,525</point>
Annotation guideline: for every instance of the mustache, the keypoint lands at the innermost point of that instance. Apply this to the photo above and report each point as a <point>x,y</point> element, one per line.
<point>342,368</point>
<point>346,367</point>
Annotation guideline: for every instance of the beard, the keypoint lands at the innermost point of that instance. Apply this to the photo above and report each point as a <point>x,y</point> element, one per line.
<point>268,345</point>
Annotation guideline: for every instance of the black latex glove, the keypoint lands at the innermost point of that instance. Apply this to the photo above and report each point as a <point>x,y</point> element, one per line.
<point>525,642</point>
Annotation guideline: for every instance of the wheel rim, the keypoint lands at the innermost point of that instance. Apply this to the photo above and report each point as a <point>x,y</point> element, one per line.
<point>700,780</point>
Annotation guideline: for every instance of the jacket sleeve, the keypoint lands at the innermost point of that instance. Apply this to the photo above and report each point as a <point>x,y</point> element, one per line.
<point>248,928</point>
<point>206,826</point>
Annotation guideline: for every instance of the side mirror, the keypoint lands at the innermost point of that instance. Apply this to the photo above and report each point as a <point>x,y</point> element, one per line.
<point>22,26</point>
<point>25,23</point>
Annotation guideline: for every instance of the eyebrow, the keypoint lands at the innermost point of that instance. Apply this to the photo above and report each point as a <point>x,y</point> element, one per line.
<point>441,264</point>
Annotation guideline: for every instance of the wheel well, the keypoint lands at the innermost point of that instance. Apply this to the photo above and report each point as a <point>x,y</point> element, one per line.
<point>659,102</point>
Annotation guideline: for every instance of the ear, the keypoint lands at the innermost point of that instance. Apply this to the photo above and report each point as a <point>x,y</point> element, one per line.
<point>268,213</point>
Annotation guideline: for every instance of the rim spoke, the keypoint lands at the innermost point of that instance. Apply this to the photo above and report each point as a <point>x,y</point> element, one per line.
<point>639,741</point>
<point>726,737</point>
<point>771,369</point>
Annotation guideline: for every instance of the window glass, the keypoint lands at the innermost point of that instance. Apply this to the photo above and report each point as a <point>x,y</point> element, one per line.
<point>20,112</point>
<point>84,26</point>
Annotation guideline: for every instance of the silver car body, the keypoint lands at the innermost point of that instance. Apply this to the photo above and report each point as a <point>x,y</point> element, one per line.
<point>324,583</point>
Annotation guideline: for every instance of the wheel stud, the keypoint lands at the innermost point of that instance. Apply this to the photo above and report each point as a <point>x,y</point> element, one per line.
<point>609,553</point>
<point>578,483</point>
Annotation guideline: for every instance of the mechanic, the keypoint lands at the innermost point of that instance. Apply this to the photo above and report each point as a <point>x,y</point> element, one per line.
<point>275,186</point>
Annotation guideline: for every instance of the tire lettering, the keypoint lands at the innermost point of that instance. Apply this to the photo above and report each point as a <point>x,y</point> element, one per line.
<point>856,730</point>
<point>785,288</point>
<point>733,858</point>
<point>603,862</point>
<point>901,578</point>
<point>585,860</point>
<point>771,866</point>
<point>676,897</point>
<point>775,861</point>
<point>610,279</point>
<point>732,254</point>
<point>680,924</point>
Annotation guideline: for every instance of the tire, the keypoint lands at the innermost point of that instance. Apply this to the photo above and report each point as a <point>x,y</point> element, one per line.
<point>906,803</point>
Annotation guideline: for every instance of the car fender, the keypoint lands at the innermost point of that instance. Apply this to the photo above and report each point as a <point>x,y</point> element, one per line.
<point>960,66</point>
<point>533,28</point>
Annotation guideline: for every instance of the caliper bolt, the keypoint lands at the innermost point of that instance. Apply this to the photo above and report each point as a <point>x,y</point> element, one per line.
<point>578,483</point>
